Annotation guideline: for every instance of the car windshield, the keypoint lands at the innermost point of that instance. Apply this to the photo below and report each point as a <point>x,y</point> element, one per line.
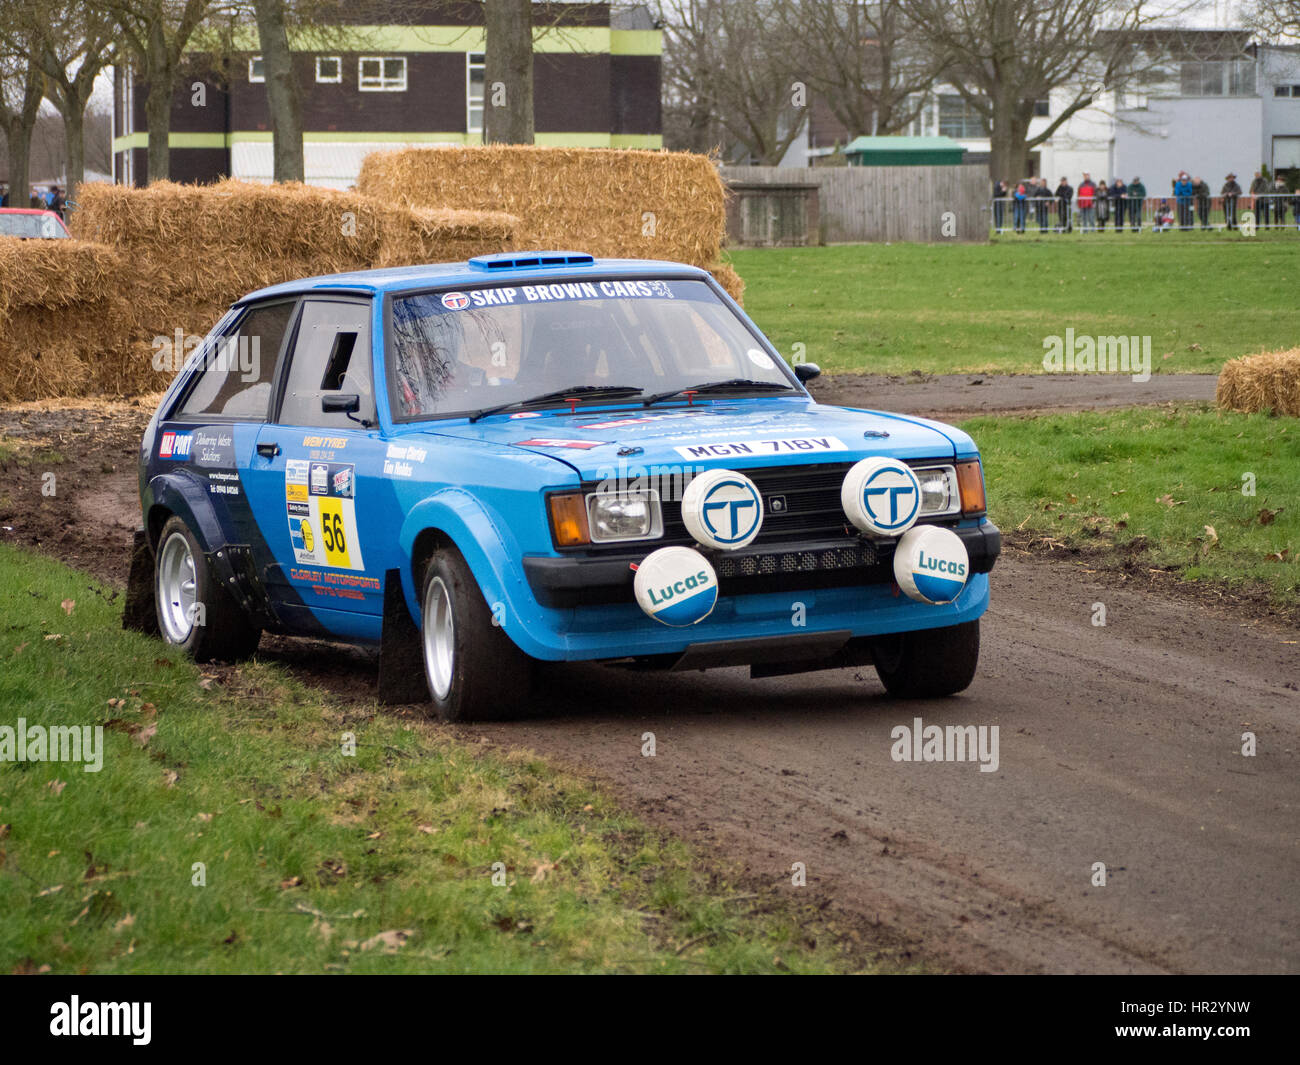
<point>30,225</point>
<point>474,349</point>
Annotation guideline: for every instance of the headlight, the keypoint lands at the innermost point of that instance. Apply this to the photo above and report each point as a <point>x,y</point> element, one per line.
<point>939,491</point>
<point>614,516</point>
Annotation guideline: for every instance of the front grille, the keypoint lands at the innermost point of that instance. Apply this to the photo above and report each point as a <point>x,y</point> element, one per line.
<point>777,563</point>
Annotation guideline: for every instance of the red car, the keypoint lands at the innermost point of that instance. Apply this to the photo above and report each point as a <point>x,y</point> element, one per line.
<point>28,222</point>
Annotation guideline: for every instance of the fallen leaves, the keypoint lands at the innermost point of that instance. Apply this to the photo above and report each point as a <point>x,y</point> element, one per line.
<point>1170,501</point>
<point>57,786</point>
<point>389,942</point>
<point>69,605</point>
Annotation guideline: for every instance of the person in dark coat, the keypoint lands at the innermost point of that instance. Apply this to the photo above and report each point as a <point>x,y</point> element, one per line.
<point>1137,192</point>
<point>1201,192</point>
<point>1230,192</point>
<point>1064,195</point>
<point>1001,191</point>
<point>1258,191</point>
<point>1042,204</point>
<point>1281,196</point>
<point>1118,192</point>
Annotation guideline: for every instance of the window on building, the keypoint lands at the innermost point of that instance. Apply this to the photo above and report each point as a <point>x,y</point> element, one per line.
<point>1232,77</point>
<point>255,71</point>
<point>329,69</point>
<point>474,82</point>
<point>958,119</point>
<point>381,74</point>
<point>1042,108</point>
<point>1287,90</point>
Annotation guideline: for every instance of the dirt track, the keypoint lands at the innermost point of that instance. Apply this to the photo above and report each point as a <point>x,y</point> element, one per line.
<point>1118,744</point>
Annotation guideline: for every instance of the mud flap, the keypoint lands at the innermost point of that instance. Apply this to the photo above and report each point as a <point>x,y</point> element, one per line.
<point>401,658</point>
<point>140,613</point>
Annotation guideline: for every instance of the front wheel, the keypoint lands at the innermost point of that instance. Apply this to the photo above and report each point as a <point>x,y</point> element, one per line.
<point>474,670</point>
<point>929,663</point>
<point>194,611</point>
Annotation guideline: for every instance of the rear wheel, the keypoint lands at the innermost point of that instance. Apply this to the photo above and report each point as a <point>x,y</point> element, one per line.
<point>474,670</point>
<point>930,663</point>
<point>194,611</point>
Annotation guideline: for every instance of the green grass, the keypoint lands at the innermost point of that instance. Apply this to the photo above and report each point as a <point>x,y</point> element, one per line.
<point>309,852</point>
<point>878,308</point>
<point>1148,481</point>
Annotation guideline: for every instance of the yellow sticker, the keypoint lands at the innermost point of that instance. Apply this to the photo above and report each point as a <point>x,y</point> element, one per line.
<point>308,541</point>
<point>295,493</point>
<point>333,532</point>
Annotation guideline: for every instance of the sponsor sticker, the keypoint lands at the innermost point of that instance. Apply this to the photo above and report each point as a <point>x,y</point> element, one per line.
<point>580,445</point>
<point>455,301</point>
<point>175,446</point>
<point>791,445</point>
<point>321,507</point>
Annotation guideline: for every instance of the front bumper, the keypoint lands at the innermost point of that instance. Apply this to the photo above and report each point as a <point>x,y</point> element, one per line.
<point>762,569</point>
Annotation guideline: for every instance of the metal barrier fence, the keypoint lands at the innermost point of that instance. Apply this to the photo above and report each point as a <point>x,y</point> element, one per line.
<point>1048,214</point>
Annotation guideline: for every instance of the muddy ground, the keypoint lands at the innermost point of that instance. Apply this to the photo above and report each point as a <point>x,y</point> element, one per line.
<point>1119,745</point>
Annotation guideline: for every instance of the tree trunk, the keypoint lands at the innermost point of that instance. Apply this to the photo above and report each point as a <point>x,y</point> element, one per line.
<point>282,96</point>
<point>74,142</point>
<point>1008,154</point>
<point>19,139</point>
<point>508,72</point>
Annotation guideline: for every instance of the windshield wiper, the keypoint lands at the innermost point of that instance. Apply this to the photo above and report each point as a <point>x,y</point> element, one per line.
<point>732,384</point>
<point>585,391</point>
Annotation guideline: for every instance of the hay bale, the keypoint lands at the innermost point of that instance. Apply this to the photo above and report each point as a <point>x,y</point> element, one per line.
<point>63,322</point>
<point>1265,382</point>
<point>195,249</point>
<point>608,202</point>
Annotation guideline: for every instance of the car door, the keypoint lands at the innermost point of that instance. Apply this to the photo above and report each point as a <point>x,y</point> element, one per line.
<point>317,476</point>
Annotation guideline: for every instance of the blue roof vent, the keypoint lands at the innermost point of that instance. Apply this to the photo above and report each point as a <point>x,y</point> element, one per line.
<point>516,260</point>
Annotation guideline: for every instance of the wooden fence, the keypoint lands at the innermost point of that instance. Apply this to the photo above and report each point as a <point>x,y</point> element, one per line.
<point>926,204</point>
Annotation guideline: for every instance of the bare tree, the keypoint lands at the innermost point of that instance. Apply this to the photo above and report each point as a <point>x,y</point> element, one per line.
<point>156,34</point>
<point>1003,56</point>
<point>508,72</point>
<point>854,54</point>
<point>22,87</point>
<point>1277,20</point>
<point>729,76</point>
<point>73,46</point>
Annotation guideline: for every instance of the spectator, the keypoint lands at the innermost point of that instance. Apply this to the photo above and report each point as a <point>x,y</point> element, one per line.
<point>1137,192</point>
<point>4,194</point>
<point>1087,204</point>
<point>1103,204</point>
<point>1183,199</point>
<point>1020,205</point>
<point>1201,191</point>
<point>1117,194</point>
<point>1295,207</point>
<point>57,201</point>
<point>1042,205</point>
<point>1258,190</point>
<point>1001,191</point>
<point>37,202</point>
<point>1064,195</point>
<point>1230,193</point>
<point>1281,194</point>
<point>1164,218</point>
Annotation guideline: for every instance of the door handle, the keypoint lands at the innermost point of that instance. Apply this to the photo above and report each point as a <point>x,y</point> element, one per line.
<point>268,450</point>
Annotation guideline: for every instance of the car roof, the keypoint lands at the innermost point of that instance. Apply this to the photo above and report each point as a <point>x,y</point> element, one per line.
<point>521,267</point>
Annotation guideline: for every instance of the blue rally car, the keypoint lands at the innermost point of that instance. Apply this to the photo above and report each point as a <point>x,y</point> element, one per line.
<point>477,467</point>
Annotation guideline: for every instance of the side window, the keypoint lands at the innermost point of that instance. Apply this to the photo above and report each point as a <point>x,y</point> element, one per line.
<point>331,356</point>
<point>236,379</point>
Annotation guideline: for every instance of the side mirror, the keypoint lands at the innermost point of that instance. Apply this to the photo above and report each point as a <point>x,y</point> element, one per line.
<point>340,403</point>
<point>806,371</point>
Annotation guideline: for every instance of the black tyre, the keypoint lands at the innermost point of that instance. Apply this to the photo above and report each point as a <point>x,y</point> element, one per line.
<point>930,663</point>
<point>194,611</point>
<point>474,670</point>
